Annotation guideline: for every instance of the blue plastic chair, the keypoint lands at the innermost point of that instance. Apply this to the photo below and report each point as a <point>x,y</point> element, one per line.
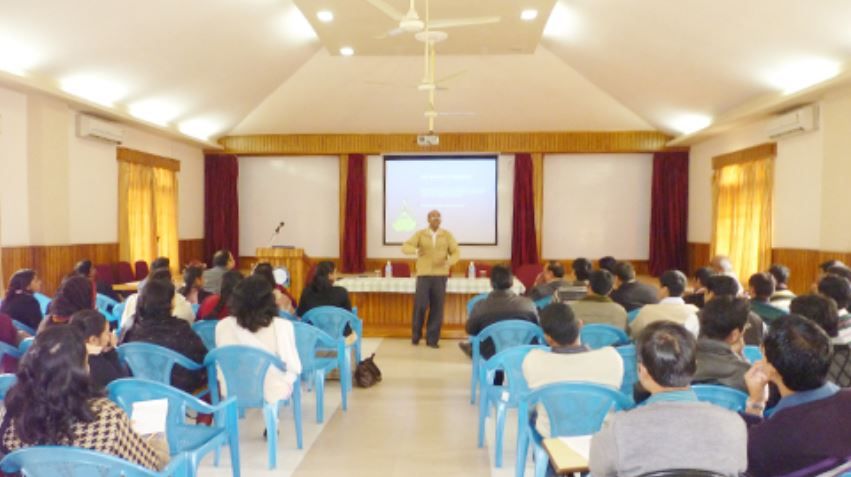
<point>597,335</point>
<point>752,353</point>
<point>117,311</point>
<point>244,370</point>
<point>195,308</point>
<point>206,329</point>
<point>573,408</point>
<point>7,380</point>
<point>472,302</point>
<point>25,345</point>
<point>8,350</point>
<point>632,315</point>
<point>630,368</point>
<point>333,320</point>
<point>723,396</point>
<point>504,334</point>
<point>542,303</point>
<point>22,327</point>
<point>106,305</point>
<point>154,362</point>
<point>310,339</point>
<point>195,440</point>
<point>505,396</point>
<point>43,301</point>
<point>52,461</point>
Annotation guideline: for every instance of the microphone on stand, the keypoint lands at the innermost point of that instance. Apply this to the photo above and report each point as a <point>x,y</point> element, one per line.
<point>275,233</point>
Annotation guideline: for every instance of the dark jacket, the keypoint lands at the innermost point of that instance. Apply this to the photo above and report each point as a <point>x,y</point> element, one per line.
<point>105,368</point>
<point>500,305</point>
<point>23,307</point>
<point>546,289</point>
<point>634,295</point>
<point>718,364</point>
<point>753,336</point>
<point>175,334</point>
<point>334,296</point>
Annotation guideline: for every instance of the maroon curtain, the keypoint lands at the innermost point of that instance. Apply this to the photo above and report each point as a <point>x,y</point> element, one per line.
<point>221,204</point>
<point>524,246</point>
<point>669,213</point>
<point>354,229</point>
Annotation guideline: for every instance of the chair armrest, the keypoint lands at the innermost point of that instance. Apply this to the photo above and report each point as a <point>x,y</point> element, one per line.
<point>178,466</point>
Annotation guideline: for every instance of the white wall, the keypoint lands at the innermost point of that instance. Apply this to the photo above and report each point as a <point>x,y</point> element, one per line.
<point>596,205</point>
<point>301,191</point>
<point>14,197</point>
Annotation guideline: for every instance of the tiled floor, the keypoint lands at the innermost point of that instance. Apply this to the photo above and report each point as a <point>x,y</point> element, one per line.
<point>417,422</point>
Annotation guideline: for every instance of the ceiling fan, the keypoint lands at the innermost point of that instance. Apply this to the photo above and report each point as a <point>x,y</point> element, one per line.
<point>411,23</point>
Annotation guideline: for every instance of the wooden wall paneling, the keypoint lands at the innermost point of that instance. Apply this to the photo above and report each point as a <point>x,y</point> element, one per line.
<point>804,265</point>
<point>698,256</point>
<point>191,250</point>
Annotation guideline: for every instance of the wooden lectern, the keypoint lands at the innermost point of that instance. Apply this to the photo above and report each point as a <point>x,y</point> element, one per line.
<point>293,259</point>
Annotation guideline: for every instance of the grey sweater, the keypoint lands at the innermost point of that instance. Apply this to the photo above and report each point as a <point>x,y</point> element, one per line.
<point>670,435</point>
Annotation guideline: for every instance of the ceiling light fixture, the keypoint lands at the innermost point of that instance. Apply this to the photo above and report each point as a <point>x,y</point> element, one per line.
<point>347,51</point>
<point>800,75</point>
<point>563,23</point>
<point>16,59</point>
<point>93,88</point>
<point>529,14</point>
<point>201,129</point>
<point>154,111</point>
<point>689,123</point>
<point>325,16</point>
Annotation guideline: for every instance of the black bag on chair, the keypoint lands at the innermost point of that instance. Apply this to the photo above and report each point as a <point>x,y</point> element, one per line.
<point>367,373</point>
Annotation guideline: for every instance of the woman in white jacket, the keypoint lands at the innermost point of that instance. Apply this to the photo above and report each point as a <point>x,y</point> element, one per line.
<point>254,323</point>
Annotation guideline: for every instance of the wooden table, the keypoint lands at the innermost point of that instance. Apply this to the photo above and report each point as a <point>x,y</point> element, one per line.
<point>386,304</point>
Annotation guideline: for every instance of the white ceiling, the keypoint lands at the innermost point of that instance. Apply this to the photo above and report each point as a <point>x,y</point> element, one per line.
<point>257,66</point>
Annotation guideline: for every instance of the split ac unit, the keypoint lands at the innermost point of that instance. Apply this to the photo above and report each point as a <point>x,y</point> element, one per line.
<point>92,127</point>
<point>794,122</point>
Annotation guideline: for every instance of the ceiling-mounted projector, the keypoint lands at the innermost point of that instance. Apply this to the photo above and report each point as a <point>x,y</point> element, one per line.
<point>428,140</point>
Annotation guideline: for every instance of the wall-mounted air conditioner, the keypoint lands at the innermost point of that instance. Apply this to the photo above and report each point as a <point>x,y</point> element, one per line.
<point>794,122</point>
<point>92,127</point>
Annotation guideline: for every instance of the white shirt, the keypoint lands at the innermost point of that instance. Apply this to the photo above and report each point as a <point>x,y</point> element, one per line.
<point>433,236</point>
<point>651,313</point>
<point>180,308</point>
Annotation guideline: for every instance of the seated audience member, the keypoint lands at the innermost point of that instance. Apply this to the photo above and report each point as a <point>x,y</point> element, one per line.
<point>839,289</point>
<point>672,430</point>
<point>812,422</point>
<point>822,311</point>
<point>104,364</point>
<point>19,302</point>
<point>671,306</point>
<point>782,294</point>
<point>631,293</point>
<point>54,402</point>
<point>193,285</point>
<point>761,288</point>
<point>321,290</point>
<point>182,308</point>
<point>723,285</point>
<point>86,269</point>
<point>156,264</point>
<point>501,304</point>
<point>155,323</point>
<point>701,282</point>
<point>254,323</point>
<point>215,307</point>
<point>827,265</point>
<point>74,294</point>
<point>719,347</point>
<point>722,265</point>
<point>578,288</point>
<point>548,281</point>
<point>597,307</point>
<point>11,336</point>
<point>283,297</point>
<point>222,262</point>
<point>568,359</point>
<point>607,263</point>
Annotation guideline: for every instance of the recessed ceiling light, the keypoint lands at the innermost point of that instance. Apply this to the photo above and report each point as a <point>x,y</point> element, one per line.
<point>154,111</point>
<point>325,16</point>
<point>794,77</point>
<point>15,58</point>
<point>689,123</point>
<point>347,51</point>
<point>529,14</point>
<point>199,128</point>
<point>94,88</point>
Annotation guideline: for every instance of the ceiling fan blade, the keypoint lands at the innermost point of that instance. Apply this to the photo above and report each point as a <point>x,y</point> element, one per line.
<point>451,77</point>
<point>456,114</point>
<point>387,9</point>
<point>462,22</point>
<point>389,34</point>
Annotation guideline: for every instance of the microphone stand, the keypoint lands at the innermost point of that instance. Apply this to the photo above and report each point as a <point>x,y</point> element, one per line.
<point>275,234</point>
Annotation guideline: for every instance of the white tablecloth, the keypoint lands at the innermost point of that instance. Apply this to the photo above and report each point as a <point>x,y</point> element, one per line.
<point>409,285</point>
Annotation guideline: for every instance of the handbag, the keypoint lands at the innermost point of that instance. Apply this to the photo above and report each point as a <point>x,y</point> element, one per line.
<point>367,373</point>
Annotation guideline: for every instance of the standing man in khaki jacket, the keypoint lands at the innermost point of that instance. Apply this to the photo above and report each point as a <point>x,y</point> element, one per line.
<point>436,251</point>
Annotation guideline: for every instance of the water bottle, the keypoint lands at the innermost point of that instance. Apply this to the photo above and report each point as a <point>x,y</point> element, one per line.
<point>388,269</point>
<point>471,270</point>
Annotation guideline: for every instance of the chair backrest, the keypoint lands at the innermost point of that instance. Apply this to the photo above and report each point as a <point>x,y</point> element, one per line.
<point>542,303</point>
<point>330,319</point>
<point>105,274</point>
<point>510,362</point>
<point>840,366</point>
<point>630,368</point>
<point>752,353</point>
<point>127,391</point>
<point>597,335</point>
<point>472,302</point>
<point>7,380</point>
<point>106,305</point>
<point>308,339</point>
<point>153,362</point>
<point>22,327</point>
<point>527,273</point>
<point>206,329</point>
<point>25,345</point>
<point>244,371</point>
<point>53,461</point>
<point>141,267</point>
<point>43,302</point>
<point>8,350</point>
<point>632,315</point>
<point>117,311</point>
<point>576,408</point>
<point>509,333</point>
<point>124,272</point>
<point>723,396</point>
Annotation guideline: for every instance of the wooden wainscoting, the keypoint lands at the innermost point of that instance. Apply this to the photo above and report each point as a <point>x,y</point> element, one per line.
<point>698,256</point>
<point>192,250</point>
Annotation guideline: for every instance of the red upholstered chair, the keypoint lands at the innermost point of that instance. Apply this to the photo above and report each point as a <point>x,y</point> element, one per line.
<point>527,273</point>
<point>125,273</point>
<point>141,270</point>
<point>400,270</point>
<point>105,274</point>
<point>483,270</point>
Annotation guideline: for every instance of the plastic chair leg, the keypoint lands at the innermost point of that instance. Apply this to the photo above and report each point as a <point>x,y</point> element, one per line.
<point>319,388</point>
<point>522,447</point>
<point>358,355</point>
<point>270,415</point>
<point>296,399</point>
<point>484,409</point>
<point>501,411</point>
<point>542,460</point>
<point>473,375</point>
<point>232,426</point>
